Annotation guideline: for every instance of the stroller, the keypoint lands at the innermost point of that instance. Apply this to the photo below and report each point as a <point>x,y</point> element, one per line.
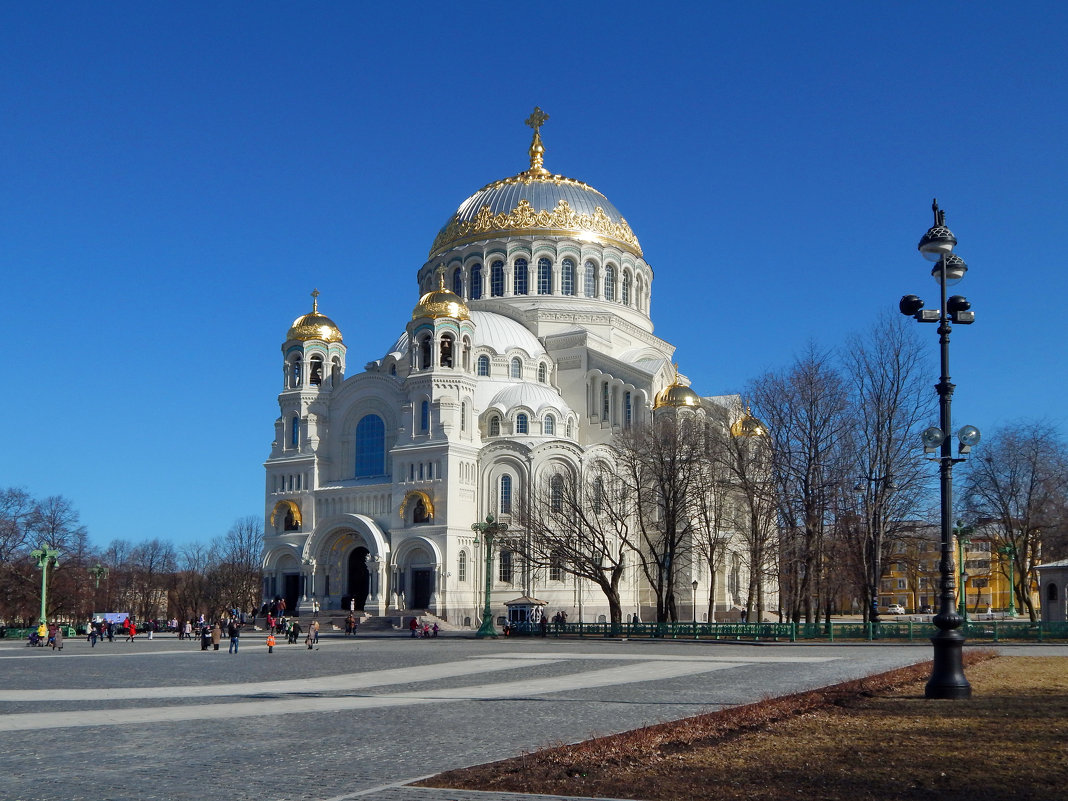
<point>34,639</point>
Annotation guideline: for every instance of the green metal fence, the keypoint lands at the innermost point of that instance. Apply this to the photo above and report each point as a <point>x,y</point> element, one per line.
<point>896,631</point>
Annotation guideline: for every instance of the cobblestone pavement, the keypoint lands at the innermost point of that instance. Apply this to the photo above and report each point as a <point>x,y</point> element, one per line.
<point>358,718</point>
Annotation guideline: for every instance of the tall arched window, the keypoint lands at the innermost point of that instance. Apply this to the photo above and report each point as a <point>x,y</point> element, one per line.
<point>315,370</point>
<point>476,282</point>
<point>294,432</point>
<point>506,495</point>
<point>610,282</point>
<point>522,423</point>
<point>625,295</point>
<point>543,372</point>
<point>463,416</point>
<point>567,277</point>
<point>495,426</point>
<point>424,415</point>
<point>550,425</point>
<point>520,277</point>
<point>424,353</point>
<point>296,373</point>
<point>370,447</point>
<point>569,430</point>
<point>627,410</point>
<point>605,401</point>
<point>556,493</point>
<point>545,277</point>
<point>589,280</point>
<point>517,368</point>
<point>458,282</point>
<point>497,279</point>
<point>483,365</point>
<point>461,567</point>
<point>505,573</point>
<point>446,355</point>
<point>598,495</point>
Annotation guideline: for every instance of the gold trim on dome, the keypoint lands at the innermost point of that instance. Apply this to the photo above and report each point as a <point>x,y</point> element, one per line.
<point>562,220</point>
<point>417,494</point>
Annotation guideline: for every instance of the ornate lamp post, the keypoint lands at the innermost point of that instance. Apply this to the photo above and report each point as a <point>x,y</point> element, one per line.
<point>43,556</point>
<point>489,530</point>
<point>1009,552</point>
<point>694,585</point>
<point>98,571</point>
<point>947,675</point>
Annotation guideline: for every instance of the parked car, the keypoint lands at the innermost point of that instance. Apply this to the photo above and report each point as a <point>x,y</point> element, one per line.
<point>895,609</point>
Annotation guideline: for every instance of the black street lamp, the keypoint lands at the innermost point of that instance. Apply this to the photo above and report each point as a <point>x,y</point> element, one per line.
<point>947,675</point>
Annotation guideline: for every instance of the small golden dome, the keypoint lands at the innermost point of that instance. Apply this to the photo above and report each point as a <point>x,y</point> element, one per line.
<point>748,426</point>
<point>441,303</point>
<point>677,395</point>
<point>314,325</point>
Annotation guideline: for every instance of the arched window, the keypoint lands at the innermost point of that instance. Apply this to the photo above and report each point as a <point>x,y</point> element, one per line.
<point>625,295</point>
<point>549,426</point>
<point>296,373</point>
<point>445,359</point>
<point>497,279</point>
<point>424,353</point>
<point>627,410</point>
<point>505,573</point>
<point>315,371</point>
<point>605,401</point>
<point>1051,592</point>
<point>517,368</point>
<point>294,432</point>
<point>567,277</point>
<point>543,372</point>
<point>610,282</point>
<point>476,282</point>
<point>458,282</point>
<point>520,278</point>
<point>461,567</point>
<point>589,280</point>
<point>569,430</point>
<point>483,365</point>
<point>556,493</point>
<point>506,495</point>
<point>545,277</point>
<point>463,416</point>
<point>424,415</point>
<point>522,423</point>
<point>495,426</point>
<point>598,495</point>
<point>556,570</point>
<point>370,447</point>
<point>467,354</point>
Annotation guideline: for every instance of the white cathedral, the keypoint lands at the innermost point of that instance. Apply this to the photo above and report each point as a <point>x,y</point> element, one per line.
<point>531,344</point>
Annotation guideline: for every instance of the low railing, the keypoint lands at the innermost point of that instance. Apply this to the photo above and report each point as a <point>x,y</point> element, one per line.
<point>905,631</point>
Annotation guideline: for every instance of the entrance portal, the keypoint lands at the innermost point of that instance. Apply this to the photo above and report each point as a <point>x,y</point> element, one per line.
<point>359,578</point>
<point>291,592</point>
<point>421,587</point>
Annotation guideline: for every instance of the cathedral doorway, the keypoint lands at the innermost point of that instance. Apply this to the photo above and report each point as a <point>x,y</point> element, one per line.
<point>291,591</point>
<point>359,578</point>
<point>422,585</point>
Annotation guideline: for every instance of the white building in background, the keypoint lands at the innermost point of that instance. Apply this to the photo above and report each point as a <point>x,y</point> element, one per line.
<point>531,344</point>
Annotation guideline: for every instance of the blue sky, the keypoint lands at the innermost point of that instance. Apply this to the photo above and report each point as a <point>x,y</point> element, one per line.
<point>176,178</point>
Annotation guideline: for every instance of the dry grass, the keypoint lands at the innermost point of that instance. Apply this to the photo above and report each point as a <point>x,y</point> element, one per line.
<point>877,738</point>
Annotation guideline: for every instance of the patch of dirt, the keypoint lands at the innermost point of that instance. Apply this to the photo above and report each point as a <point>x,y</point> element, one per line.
<point>876,738</point>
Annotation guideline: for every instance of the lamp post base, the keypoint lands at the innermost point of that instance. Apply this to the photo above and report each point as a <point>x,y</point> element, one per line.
<point>947,674</point>
<point>486,629</point>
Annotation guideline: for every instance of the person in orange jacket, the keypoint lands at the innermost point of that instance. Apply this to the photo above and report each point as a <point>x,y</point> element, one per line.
<point>270,643</point>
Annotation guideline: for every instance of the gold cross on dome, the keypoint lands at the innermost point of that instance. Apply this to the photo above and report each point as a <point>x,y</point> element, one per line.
<point>315,300</point>
<point>537,119</point>
<point>441,275</point>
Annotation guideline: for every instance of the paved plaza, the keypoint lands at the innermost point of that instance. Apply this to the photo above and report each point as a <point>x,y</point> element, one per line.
<point>358,717</point>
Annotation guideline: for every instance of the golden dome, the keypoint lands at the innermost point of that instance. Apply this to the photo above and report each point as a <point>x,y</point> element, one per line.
<point>441,303</point>
<point>314,325</point>
<point>748,426</point>
<point>677,395</point>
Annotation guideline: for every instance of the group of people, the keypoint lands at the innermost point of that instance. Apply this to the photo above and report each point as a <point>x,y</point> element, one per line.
<point>424,630</point>
<point>50,634</point>
<point>109,629</point>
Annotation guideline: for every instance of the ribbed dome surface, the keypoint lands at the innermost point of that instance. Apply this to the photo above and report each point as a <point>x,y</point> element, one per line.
<point>535,397</point>
<point>501,333</point>
<point>314,326</point>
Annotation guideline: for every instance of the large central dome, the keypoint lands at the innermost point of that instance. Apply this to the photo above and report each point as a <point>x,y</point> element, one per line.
<point>536,203</point>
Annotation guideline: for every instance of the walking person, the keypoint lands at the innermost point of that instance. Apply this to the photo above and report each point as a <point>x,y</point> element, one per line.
<point>57,641</point>
<point>216,636</point>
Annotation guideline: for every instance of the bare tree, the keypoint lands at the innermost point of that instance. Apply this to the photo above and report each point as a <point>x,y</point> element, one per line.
<point>191,582</point>
<point>580,525</point>
<point>890,402</point>
<point>658,466</point>
<point>152,567</point>
<point>1018,480</point>
<point>235,575</point>
<point>805,408</point>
